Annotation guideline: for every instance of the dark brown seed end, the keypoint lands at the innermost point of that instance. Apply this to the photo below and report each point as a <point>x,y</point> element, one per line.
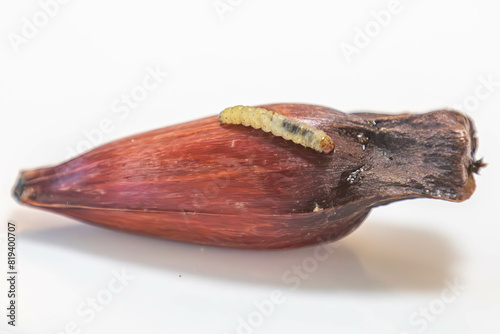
<point>477,165</point>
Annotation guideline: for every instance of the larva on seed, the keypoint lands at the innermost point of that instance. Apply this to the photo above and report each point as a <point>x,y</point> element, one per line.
<point>279,125</point>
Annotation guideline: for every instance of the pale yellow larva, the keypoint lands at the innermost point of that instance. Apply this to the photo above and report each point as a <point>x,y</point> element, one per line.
<point>279,125</point>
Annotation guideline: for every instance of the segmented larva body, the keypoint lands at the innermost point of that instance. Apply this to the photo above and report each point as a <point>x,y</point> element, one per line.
<point>279,125</point>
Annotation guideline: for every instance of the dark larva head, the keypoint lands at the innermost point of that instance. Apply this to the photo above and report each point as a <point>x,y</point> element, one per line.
<point>327,145</point>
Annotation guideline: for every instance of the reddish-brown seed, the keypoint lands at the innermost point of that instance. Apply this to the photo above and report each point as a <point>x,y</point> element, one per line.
<point>240,187</point>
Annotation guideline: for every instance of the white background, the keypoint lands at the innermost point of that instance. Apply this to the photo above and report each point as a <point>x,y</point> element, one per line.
<point>64,78</point>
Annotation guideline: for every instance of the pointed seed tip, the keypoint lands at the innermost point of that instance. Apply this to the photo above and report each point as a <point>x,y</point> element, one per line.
<point>18,189</point>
